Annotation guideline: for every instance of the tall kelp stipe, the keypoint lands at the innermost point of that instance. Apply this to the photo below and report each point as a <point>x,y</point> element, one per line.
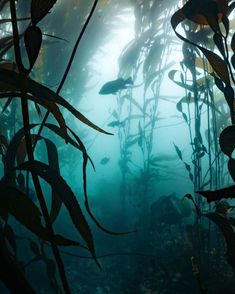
<point>136,116</point>
<point>19,158</point>
<point>210,44</point>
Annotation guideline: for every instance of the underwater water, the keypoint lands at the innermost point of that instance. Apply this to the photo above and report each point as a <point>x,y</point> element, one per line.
<point>117,147</point>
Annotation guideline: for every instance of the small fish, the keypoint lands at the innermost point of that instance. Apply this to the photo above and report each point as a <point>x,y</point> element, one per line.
<point>116,123</point>
<point>113,87</point>
<point>104,160</point>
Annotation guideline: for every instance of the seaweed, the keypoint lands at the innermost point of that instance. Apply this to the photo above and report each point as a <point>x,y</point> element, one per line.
<point>18,154</point>
<point>216,59</point>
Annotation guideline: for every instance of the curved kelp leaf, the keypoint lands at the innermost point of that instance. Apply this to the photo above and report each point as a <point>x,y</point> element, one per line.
<point>228,192</point>
<point>181,83</point>
<point>43,93</point>
<point>231,167</point>
<point>227,140</point>
<point>227,145</point>
<point>201,83</point>
<point>17,149</point>
<point>50,106</point>
<point>67,196</point>
<point>40,8</point>
<point>85,160</point>
<point>187,166</point>
<point>190,99</point>
<point>19,205</point>
<point>206,12</point>
<point>216,62</point>
<point>9,161</point>
<point>33,41</point>
<point>233,43</point>
<point>53,161</point>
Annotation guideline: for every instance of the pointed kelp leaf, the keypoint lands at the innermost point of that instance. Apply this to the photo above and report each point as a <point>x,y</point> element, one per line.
<point>218,40</point>
<point>227,140</point>
<point>219,83</point>
<point>229,95</point>
<point>67,196</point>
<point>233,60</point>
<point>231,167</point>
<point>49,105</point>
<point>18,140</point>
<point>43,93</point>
<point>33,41</point>
<point>217,63</point>
<point>205,12</point>
<point>84,165</point>
<point>179,153</point>
<point>17,149</point>
<point>233,43</point>
<point>19,205</point>
<point>53,161</point>
<point>210,196</point>
<point>225,21</point>
<point>40,8</point>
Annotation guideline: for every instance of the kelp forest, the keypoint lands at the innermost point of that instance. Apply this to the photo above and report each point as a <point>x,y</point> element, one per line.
<point>117,139</point>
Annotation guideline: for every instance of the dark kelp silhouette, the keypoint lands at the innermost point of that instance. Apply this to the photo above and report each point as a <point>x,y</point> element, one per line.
<point>206,38</point>
<point>19,161</point>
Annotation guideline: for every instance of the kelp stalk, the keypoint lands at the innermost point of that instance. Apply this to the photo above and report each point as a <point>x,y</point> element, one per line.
<point>68,67</point>
<point>29,148</point>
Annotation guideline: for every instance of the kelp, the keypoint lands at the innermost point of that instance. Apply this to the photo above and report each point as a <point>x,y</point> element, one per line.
<point>211,14</point>
<point>187,166</point>
<point>205,16</point>
<point>224,222</point>
<point>214,13</point>
<point>144,59</point>
<point>30,217</point>
<point>42,93</point>
<point>213,56</point>
<point>15,82</point>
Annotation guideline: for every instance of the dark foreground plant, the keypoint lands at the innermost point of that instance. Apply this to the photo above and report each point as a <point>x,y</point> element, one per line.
<point>18,155</point>
<point>207,34</point>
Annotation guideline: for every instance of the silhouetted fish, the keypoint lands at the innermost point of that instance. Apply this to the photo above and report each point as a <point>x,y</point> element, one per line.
<point>104,160</point>
<point>113,87</point>
<point>116,123</point>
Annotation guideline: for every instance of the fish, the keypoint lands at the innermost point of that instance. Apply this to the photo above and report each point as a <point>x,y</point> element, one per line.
<point>104,160</point>
<point>116,123</point>
<point>112,87</point>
